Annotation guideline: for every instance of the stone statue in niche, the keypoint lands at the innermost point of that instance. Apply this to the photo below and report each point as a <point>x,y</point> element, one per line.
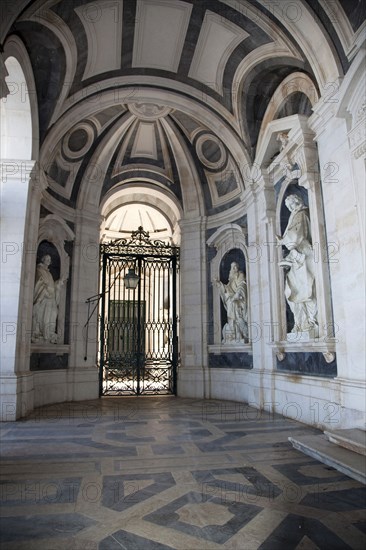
<point>46,300</point>
<point>283,139</point>
<point>299,263</point>
<point>234,297</point>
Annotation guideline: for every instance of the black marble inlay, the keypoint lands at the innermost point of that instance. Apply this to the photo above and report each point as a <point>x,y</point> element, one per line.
<point>168,516</point>
<point>109,114</point>
<point>58,174</point>
<point>338,501</point>
<point>180,422</point>
<point>292,472</point>
<point>226,183</point>
<point>185,121</point>
<point>238,360</point>
<point>224,443</point>
<point>48,60</point>
<point>39,491</point>
<point>214,486</point>
<point>78,140</point>
<point>123,491</point>
<point>296,104</point>
<point>66,432</point>
<point>355,11</point>
<point>48,361</point>
<point>211,151</point>
<point>166,449</point>
<point>312,363</point>
<point>293,529</point>
<point>191,434</point>
<point>117,436</point>
<point>42,526</point>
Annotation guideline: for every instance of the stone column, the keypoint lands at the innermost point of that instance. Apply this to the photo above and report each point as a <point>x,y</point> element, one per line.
<point>261,249</point>
<point>193,309</point>
<point>83,371</point>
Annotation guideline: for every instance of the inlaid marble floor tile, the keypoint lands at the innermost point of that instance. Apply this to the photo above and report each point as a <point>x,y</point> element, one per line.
<point>169,473</point>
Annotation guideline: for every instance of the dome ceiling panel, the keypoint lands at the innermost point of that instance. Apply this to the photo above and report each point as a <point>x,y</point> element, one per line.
<point>106,116</point>
<point>160,31</point>
<point>191,44</point>
<point>144,147</point>
<point>189,125</point>
<point>168,71</point>
<point>217,40</point>
<point>102,24</point>
<point>145,141</point>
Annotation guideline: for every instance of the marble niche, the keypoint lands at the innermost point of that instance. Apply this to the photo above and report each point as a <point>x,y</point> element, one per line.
<point>229,338</point>
<point>49,347</point>
<point>300,291</point>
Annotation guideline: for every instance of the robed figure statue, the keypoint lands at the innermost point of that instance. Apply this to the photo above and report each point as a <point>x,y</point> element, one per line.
<point>299,263</point>
<point>234,297</point>
<point>46,300</point>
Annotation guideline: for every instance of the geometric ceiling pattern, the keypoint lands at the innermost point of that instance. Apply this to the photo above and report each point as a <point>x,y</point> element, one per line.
<point>171,93</point>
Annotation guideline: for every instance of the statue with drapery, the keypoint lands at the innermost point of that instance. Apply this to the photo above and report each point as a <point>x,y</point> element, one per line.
<point>299,265</point>
<point>46,299</point>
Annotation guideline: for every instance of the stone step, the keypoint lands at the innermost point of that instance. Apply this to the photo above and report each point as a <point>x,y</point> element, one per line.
<point>318,447</point>
<point>353,439</point>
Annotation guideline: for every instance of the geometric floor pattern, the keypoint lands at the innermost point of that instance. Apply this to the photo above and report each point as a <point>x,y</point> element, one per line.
<point>159,473</point>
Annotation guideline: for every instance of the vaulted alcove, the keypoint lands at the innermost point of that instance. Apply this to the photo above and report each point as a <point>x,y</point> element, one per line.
<point>196,121</point>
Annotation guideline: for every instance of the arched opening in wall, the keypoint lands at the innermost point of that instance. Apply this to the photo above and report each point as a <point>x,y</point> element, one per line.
<point>18,153</point>
<point>16,120</point>
<point>139,288</point>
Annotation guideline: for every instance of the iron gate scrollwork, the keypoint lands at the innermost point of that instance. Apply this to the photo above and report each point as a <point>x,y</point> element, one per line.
<point>138,350</point>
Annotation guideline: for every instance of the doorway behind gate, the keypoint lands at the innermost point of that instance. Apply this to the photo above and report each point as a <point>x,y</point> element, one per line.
<point>138,327</point>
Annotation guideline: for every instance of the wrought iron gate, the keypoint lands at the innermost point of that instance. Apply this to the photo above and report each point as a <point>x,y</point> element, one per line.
<point>138,350</point>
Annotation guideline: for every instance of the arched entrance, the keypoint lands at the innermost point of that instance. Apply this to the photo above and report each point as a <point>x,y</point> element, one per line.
<point>138,345</point>
<point>19,150</point>
<point>139,291</point>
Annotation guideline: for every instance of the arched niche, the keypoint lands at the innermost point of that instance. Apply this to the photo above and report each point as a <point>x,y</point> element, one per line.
<point>230,245</point>
<point>233,257</point>
<point>53,235</point>
<point>283,221</point>
<point>287,159</point>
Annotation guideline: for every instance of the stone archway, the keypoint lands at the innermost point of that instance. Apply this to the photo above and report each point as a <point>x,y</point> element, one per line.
<point>19,152</point>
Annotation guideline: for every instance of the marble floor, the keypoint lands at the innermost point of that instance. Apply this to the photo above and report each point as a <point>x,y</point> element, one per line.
<point>157,473</point>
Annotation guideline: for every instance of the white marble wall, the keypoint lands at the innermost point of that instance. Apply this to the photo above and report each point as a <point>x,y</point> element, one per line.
<point>323,402</point>
<point>14,178</point>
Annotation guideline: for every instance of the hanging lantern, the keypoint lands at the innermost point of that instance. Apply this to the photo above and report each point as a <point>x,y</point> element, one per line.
<point>131,280</point>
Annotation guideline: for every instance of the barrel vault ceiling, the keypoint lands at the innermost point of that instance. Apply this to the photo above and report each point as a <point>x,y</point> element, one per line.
<point>163,90</point>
